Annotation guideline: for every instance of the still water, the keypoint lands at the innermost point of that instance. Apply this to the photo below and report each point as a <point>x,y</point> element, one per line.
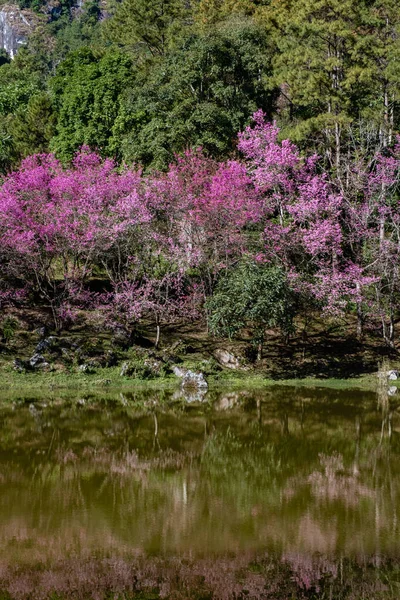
<point>284,472</point>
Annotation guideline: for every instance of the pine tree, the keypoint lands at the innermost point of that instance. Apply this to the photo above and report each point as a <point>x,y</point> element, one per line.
<point>315,41</point>
<point>34,127</point>
<point>146,24</point>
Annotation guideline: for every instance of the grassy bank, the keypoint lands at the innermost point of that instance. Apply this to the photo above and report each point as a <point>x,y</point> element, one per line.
<point>106,380</point>
<point>329,357</point>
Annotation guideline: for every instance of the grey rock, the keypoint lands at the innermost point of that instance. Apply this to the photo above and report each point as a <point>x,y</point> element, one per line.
<point>392,375</point>
<point>190,378</point>
<point>179,371</point>
<point>21,365</point>
<point>193,387</point>
<point>86,368</point>
<point>44,366</point>
<point>125,369</point>
<point>36,360</point>
<point>46,344</point>
<point>227,359</point>
<point>194,380</point>
<point>41,331</point>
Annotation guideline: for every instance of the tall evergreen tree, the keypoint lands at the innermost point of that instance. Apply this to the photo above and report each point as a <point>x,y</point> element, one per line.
<point>34,127</point>
<point>148,24</point>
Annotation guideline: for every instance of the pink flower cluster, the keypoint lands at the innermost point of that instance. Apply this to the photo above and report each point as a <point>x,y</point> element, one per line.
<point>159,242</point>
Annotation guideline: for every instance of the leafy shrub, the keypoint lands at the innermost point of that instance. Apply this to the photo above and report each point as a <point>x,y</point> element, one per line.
<point>8,329</point>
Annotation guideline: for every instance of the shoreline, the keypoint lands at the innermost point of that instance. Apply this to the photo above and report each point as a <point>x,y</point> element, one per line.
<point>108,380</point>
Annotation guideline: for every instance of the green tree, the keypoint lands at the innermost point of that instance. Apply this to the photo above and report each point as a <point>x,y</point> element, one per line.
<point>148,24</point>
<point>34,126</point>
<point>378,55</point>
<point>86,94</point>
<point>315,66</point>
<point>8,154</point>
<point>254,296</point>
<point>201,94</point>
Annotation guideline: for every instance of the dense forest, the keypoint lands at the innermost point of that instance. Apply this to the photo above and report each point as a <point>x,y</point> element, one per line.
<point>235,161</point>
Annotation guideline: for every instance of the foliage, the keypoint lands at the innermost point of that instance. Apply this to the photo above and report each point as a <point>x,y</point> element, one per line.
<point>86,92</point>
<point>34,126</point>
<point>138,24</point>
<point>9,326</point>
<point>253,295</point>
<point>200,95</point>
<point>313,196</point>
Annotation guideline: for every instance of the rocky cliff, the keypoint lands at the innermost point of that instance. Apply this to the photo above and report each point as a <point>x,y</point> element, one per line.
<point>15,26</point>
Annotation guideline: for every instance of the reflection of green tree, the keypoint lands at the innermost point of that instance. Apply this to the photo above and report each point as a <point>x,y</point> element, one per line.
<point>283,471</point>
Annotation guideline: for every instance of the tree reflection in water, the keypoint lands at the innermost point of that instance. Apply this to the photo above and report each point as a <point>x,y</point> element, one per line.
<point>289,491</point>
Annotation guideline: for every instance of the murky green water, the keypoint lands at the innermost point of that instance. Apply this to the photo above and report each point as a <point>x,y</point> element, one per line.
<point>288,472</point>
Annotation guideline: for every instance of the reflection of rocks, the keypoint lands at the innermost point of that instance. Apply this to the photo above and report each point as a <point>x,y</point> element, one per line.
<point>227,401</point>
<point>190,395</point>
<point>193,387</point>
<point>392,391</point>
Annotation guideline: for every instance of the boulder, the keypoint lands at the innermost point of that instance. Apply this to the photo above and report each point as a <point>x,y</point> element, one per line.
<point>86,368</point>
<point>392,375</point>
<point>179,371</point>
<point>46,344</point>
<point>194,380</point>
<point>193,387</point>
<point>21,365</point>
<point>227,359</point>
<point>36,360</point>
<point>41,332</point>
<point>125,369</point>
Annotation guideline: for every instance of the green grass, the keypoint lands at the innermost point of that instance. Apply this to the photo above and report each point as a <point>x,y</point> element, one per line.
<point>109,379</point>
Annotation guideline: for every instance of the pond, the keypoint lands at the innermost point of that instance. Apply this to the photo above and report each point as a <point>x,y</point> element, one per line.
<point>129,493</point>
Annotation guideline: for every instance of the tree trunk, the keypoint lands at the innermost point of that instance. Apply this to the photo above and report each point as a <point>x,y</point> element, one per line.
<point>158,333</point>
<point>260,351</point>
<point>360,316</point>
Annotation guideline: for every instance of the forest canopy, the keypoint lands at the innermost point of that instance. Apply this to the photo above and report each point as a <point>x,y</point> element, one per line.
<point>176,150</point>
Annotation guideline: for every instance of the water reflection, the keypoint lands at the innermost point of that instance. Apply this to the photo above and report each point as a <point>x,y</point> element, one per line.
<point>291,472</point>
